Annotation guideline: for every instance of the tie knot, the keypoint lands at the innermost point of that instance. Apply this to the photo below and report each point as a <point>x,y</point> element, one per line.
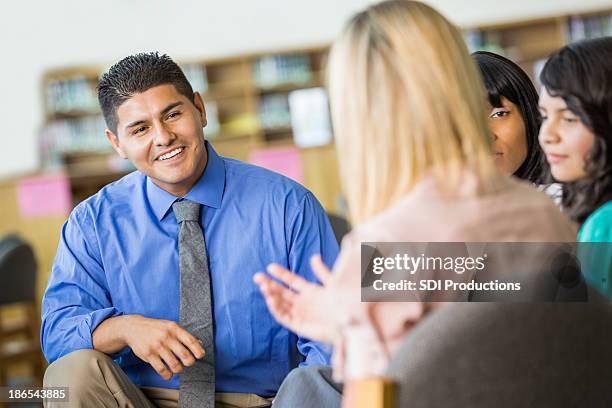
<point>186,211</point>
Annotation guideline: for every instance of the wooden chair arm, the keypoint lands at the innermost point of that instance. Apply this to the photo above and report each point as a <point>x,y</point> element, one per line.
<point>373,392</point>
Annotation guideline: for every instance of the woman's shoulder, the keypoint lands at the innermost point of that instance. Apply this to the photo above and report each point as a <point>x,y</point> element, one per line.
<point>538,212</point>
<point>598,227</point>
<point>553,190</point>
<point>530,197</point>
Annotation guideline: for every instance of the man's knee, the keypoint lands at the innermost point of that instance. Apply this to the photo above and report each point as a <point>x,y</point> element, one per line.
<point>310,373</point>
<point>76,369</point>
<point>309,386</point>
<point>313,375</point>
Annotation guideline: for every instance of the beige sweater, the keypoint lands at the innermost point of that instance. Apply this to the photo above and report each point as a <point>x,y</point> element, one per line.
<point>372,332</point>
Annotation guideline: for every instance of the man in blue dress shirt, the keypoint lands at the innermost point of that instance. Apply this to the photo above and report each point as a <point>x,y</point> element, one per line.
<point>110,314</point>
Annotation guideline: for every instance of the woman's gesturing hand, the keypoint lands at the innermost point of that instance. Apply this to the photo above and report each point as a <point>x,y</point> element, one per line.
<point>301,306</point>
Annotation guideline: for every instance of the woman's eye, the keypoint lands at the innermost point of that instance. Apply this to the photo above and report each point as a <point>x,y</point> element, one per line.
<point>570,120</point>
<point>499,114</point>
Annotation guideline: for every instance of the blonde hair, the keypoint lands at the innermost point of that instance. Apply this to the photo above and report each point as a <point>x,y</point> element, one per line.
<point>406,101</point>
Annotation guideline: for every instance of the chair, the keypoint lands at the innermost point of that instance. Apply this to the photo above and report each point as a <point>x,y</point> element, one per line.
<point>19,339</point>
<point>504,355</point>
<point>339,225</point>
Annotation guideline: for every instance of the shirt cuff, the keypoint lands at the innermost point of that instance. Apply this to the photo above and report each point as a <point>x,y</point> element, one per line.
<point>93,320</point>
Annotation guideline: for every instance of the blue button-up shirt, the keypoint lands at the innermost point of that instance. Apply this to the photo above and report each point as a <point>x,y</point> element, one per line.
<point>118,254</point>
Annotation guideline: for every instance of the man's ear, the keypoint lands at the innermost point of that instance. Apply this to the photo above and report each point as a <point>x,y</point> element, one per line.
<point>199,104</point>
<point>115,142</point>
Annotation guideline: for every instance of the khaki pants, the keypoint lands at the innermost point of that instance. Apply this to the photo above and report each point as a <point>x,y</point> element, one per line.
<point>95,380</point>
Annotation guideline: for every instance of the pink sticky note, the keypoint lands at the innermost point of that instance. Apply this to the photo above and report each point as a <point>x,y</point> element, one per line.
<point>283,160</point>
<point>44,196</point>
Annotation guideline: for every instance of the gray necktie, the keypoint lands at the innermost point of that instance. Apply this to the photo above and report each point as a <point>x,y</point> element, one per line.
<point>198,381</point>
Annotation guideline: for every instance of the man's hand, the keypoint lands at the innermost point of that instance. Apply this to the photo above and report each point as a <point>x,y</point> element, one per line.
<point>162,343</point>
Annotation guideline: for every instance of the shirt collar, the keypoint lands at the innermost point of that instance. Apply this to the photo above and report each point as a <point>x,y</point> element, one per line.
<point>208,190</point>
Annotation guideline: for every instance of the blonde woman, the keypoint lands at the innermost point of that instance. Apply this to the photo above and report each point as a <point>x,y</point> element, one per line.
<point>416,164</point>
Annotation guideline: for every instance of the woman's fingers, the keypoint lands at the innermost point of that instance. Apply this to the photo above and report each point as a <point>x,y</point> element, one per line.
<point>320,270</point>
<point>273,289</point>
<point>279,299</point>
<point>290,279</point>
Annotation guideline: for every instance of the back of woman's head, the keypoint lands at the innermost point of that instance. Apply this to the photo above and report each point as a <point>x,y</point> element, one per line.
<point>581,74</point>
<point>406,101</point>
<point>504,78</point>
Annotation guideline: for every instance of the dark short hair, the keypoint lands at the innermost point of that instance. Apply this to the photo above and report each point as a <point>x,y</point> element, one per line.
<point>136,74</point>
<point>503,77</point>
<point>581,74</point>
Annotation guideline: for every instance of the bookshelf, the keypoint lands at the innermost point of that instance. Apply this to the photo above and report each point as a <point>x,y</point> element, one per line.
<point>249,100</point>
<point>529,43</point>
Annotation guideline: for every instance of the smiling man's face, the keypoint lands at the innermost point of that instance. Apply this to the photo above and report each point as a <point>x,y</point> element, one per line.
<point>161,132</point>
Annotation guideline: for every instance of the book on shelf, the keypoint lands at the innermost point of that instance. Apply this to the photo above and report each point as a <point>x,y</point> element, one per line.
<point>310,117</point>
<point>197,77</point>
<point>270,71</point>
<point>273,111</point>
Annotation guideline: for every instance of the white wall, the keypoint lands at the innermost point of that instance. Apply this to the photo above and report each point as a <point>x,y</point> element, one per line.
<point>36,36</point>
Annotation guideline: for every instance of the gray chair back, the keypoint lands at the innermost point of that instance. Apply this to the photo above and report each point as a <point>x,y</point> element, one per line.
<point>481,355</point>
<point>17,271</point>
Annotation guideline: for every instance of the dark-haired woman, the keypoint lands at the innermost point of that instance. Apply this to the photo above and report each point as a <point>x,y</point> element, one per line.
<point>513,118</point>
<point>576,135</point>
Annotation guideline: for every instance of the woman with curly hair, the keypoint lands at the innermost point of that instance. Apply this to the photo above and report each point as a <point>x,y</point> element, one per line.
<point>576,135</point>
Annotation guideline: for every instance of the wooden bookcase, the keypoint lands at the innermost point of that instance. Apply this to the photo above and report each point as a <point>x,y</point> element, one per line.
<point>235,93</point>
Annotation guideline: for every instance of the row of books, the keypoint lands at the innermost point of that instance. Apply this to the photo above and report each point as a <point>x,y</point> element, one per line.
<point>581,28</point>
<point>74,95</point>
<point>271,71</point>
<point>268,72</point>
<point>85,134</point>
